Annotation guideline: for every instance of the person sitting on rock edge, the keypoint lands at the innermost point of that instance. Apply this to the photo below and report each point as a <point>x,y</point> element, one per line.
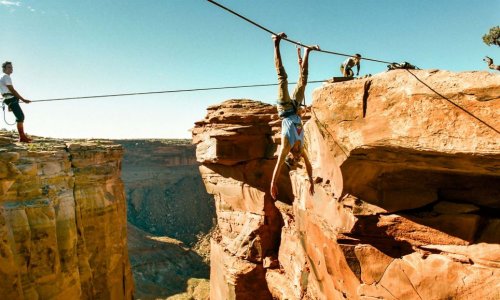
<point>346,66</point>
<point>11,98</point>
<point>292,134</point>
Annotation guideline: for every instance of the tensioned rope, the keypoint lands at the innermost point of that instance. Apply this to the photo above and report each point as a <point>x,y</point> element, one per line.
<point>453,103</point>
<point>289,40</point>
<point>211,88</point>
<point>171,91</point>
<point>259,85</point>
<point>342,54</point>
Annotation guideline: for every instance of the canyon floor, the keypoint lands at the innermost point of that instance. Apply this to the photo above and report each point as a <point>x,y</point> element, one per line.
<point>170,217</point>
<point>164,268</point>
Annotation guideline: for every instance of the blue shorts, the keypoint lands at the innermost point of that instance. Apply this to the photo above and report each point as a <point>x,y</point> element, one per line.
<point>13,104</point>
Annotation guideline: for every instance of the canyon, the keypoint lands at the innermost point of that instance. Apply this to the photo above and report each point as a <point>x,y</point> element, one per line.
<point>64,224</point>
<point>406,176</point>
<point>406,168</point>
<point>170,217</point>
<point>164,190</point>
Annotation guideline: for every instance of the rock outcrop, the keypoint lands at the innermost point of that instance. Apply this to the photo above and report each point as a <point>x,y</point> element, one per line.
<point>406,202</point>
<point>62,221</point>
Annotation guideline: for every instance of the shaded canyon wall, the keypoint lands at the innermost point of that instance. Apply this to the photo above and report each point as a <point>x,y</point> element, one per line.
<point>406,202</point>
<point>165,193</point>
<point>170,216</point>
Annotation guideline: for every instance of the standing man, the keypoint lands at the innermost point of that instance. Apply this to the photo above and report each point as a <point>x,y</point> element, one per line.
<point>346,67</point>
<point>292,134</point>
<point>11,98</point>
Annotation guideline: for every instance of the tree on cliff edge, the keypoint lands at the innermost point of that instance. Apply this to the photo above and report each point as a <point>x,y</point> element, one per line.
<point>492,37</point>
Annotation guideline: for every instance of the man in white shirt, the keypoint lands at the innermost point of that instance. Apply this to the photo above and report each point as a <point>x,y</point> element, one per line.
<point>11,98</point>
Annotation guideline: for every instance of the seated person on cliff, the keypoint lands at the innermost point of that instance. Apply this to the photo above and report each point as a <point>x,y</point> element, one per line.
<point>348,64</point>
<point>292,134</point>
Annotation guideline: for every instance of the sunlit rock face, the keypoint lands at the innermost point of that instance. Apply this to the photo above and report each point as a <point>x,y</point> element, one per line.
<point>236,148</point>
<point>406,202</point>
<point>62,221</point>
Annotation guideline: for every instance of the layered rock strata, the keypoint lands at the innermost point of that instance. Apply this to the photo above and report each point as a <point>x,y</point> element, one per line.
<point>62,221</point>
<point>406,202</point>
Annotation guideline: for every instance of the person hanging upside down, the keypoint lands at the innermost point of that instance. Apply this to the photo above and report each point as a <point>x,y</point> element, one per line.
<point>12,98</point>
<point>292,134</point>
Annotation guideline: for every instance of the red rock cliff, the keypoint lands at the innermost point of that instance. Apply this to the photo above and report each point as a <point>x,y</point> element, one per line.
<point>407,193</point>
<point>62,221</point>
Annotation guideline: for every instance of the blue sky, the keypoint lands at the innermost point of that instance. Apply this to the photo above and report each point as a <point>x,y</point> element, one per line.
<point>78,48</point>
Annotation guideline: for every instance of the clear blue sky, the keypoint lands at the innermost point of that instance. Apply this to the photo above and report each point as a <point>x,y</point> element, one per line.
<point>77,48</point>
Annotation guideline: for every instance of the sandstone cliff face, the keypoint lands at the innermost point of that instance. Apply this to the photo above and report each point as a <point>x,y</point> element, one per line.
<point>62,221</point>
<point>407,193</point>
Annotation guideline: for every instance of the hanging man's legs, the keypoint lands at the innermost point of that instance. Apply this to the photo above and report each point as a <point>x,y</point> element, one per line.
<point>298,93</point>
<point>284,103</point>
